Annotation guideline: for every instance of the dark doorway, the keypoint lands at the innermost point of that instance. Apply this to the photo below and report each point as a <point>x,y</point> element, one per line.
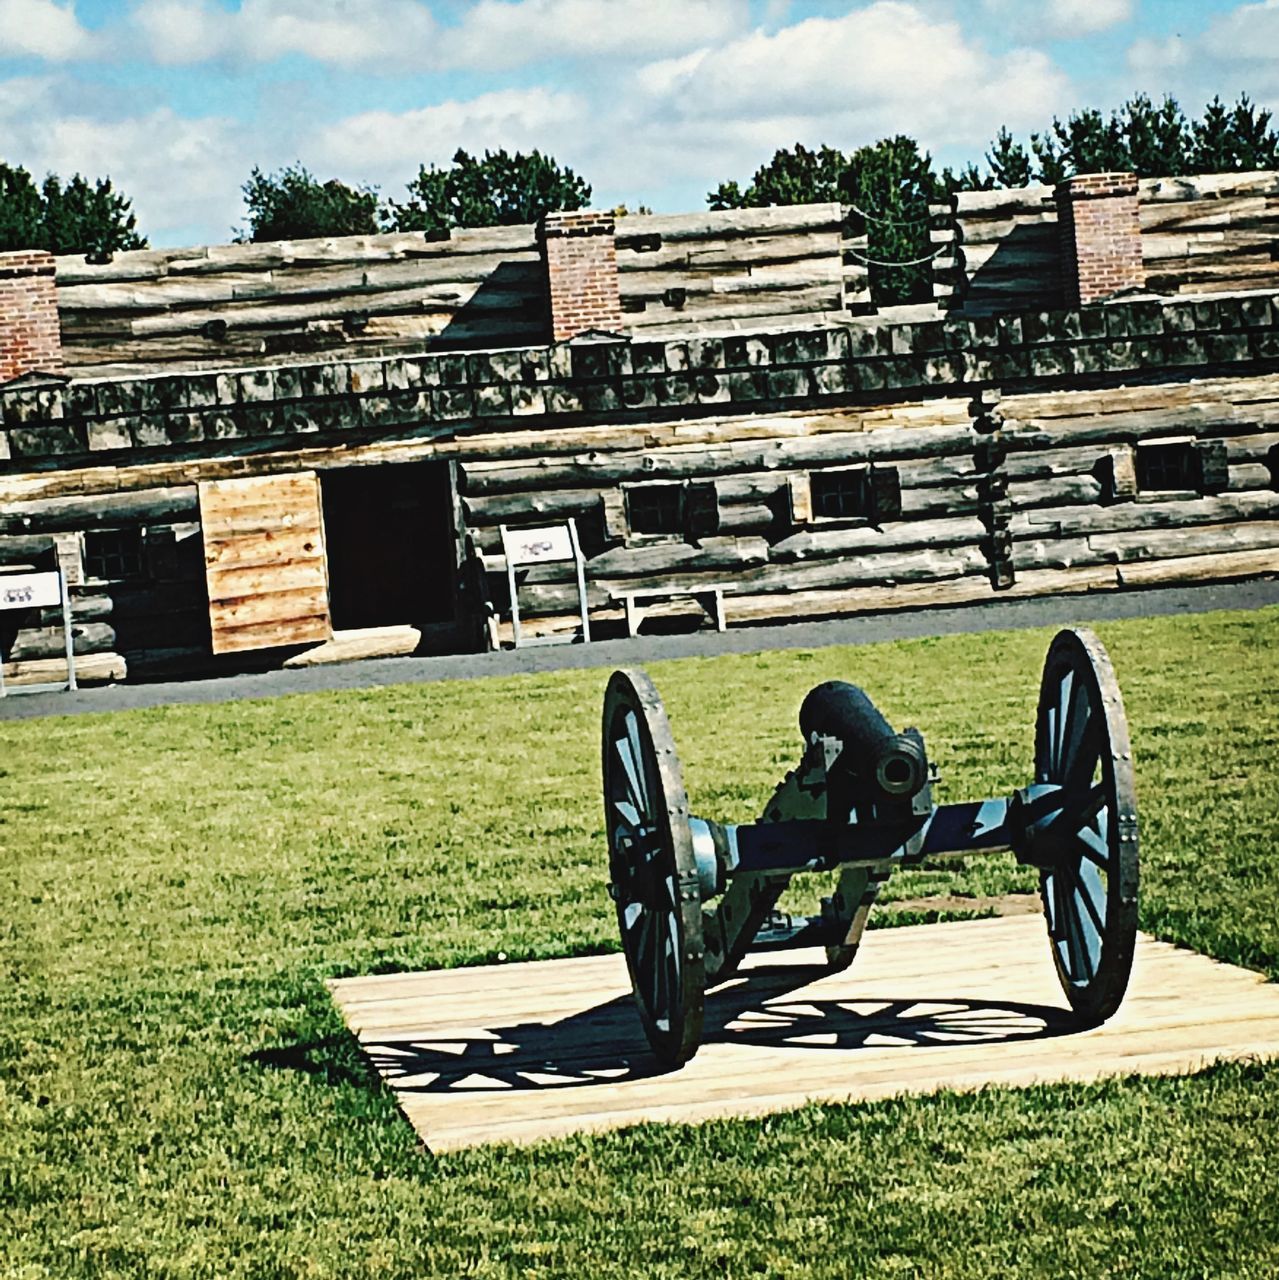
<point>390,540</point>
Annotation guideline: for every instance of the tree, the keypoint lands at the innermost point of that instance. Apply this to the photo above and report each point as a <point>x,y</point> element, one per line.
<point>1230,140</point>
<point>790,177</point>
<point>1158,138</point>
<point>887,187</point>
<point>293,205</point>
<point>1008,161</point>
<point>84,217</point>
<point>499,190</point>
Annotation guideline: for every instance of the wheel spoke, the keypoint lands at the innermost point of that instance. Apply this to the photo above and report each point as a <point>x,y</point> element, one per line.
<point>637,755</point>
<point>1093,847</point>
<point>1084,893</point>
<point>630,773</point>
<point>630,914</point>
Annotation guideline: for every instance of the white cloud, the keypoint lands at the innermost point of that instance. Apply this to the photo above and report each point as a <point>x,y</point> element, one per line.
<point>386,148</point>
<point>42,29</point>
<point>502,33</point>
<point>821,77</point>
<point>398,34</point>
<point>1238,52</point>
<point>393,33</point>
<point>1058,19</point>
<point>179,173</point>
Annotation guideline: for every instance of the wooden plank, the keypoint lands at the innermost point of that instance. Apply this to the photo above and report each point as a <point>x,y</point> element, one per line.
<point>266,571</point>
<point>529,1051</point>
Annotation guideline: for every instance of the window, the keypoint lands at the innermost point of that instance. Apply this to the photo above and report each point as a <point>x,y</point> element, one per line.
<point>841,494</point>
<point>1180,466</point>
<point>113,555</point>
<point>687,509</point>
<point>655,508</point>
<point>1167,467</point>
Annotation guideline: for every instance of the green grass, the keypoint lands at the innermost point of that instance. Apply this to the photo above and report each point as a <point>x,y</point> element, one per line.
<point>178,1098</point>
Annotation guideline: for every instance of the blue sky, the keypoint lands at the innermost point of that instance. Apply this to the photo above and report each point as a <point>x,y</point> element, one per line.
<point>652,101</point>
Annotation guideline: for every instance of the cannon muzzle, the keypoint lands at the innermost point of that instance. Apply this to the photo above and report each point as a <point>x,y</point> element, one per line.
<point>873,754</point>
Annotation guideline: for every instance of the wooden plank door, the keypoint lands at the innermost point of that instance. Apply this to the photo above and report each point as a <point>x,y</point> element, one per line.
<point>264,562</point>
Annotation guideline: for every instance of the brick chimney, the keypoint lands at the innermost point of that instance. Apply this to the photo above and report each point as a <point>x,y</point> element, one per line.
<point>1100,236</point>
<point>581,272</point>
<point>30,338</point>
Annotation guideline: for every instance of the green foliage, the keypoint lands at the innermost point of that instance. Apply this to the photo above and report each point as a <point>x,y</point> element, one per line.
<point>888,184</point>
<point>1147,138</point>
<point>178,1097</point>
<point>1235,139</point>
<point>82,217</point>
<point>293,205</point>
<point>499,190</point>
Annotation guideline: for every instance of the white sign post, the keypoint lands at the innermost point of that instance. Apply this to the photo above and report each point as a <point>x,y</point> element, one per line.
<point>40,591</point>
<point>549,544</point>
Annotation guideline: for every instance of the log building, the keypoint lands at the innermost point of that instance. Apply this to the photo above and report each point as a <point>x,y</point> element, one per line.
<point>233,452</point>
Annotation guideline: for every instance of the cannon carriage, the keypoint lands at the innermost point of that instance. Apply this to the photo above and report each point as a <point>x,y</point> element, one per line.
<point>693,895</point>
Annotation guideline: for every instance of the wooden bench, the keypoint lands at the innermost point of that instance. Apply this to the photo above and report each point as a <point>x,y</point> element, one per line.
<point>710,596</point>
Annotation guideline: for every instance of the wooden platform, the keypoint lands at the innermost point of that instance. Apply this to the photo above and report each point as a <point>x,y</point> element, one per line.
<point>519,1052</point>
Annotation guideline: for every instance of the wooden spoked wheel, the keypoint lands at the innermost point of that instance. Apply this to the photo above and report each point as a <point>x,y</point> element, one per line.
<point>652,868</point>
<point>1089,881</point>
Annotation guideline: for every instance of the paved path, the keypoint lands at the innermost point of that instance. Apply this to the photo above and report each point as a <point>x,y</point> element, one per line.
<point>990,616</point>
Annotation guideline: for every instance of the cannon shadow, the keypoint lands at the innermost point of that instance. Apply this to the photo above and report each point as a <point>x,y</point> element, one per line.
<point>605,1044</point>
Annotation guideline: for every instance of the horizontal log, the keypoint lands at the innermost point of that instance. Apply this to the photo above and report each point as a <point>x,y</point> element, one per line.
<point>84,608</point>
<point>149,264</point>
<point>96,511</point>
<point>529,508</point>
<point>1154,544</point>
<point>1132,516</point>
<point>718,554</point>
<point>730,223</point>
<point>1208,186</point>
<point>33,643</point>
<point>751,517</point>
<point>93,668</point>
<point>28,550</point>
<point>1226,565</point>
<point>738,253</point>
<point>817,543</point>
<point>1061,491</point>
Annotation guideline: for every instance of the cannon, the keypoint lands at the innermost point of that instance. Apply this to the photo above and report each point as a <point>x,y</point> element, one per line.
<point>693,896</point>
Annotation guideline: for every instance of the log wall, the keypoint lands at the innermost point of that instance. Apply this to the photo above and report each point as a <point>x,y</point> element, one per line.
<point>213,306</point>
<point>1207,234</point>
<point>965,496</point>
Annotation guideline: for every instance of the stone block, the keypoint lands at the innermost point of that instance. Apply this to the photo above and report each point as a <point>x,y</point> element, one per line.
<point>149,430</point>
<point>452,370</point>
<point>1179,317</point>
<point>706,353</point>
<point>868,375</point>
<point>1207,316</point>
<point>564,399</point>
<point>789,384</point>
<point>184,427</point>
<point>493,401</point>
<point>1010,334</point>
<point>833,379</point>
<point>288,383</point>
<point>675,356</point>
<point>256,386</point>
<point>1122,356</point>
<point>1230,314</point>
<point>5,453</point>
<point>868,340</point>
<point>945,370</point>
<point>711,387</point>
<point>451,403</point>
<point>116,398</point>
<point>746,385</point>
<point>318,380</point>
<point>527,399</point>
<point>365,376</point>
<point>600,397</point>
<point>1087,357</point>
<point>31,405</point>
<point>79,400</point>
<point>1050,362</point>
<point>259,420</point>
<point>221,424</point>
<point>45,440</point>
<point>1257,313</point>
<point>1264,344</point>
<point>108,435</point>
<point>1092,323</point>
<point>1226,348</point>
<point>644,357</point>
<point>674,389</point>
<point>596,360</point>
<point>745,353</point>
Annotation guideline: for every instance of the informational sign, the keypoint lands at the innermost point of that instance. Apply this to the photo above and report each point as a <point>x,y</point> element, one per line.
<point>539,546</point>
<point>30,590</point>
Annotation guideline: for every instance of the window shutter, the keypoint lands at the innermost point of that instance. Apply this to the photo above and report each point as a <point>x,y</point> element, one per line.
<point>701,510</point>
<point>885,494</point>
<point>1214,471</point>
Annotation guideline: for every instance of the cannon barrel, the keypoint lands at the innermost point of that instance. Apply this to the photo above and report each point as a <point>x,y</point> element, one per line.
<point>873,754</point>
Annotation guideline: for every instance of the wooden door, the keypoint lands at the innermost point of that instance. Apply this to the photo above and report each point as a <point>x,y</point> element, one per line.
<point>264,562</point>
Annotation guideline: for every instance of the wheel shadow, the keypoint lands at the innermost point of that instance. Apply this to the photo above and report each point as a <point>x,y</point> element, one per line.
<point>606,1045</point>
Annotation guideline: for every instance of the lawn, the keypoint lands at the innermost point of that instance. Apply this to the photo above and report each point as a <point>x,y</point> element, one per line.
<point>178,1097</point>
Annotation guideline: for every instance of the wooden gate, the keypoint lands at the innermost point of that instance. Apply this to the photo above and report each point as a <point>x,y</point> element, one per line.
<point>264,562</point>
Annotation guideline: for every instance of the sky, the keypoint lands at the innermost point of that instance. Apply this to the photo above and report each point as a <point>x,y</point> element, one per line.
<point>654,102</point>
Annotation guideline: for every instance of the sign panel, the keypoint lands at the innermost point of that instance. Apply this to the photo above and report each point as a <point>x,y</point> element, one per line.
<point>539,546</point>
<point>264,562</point>
<point>29,590</point>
